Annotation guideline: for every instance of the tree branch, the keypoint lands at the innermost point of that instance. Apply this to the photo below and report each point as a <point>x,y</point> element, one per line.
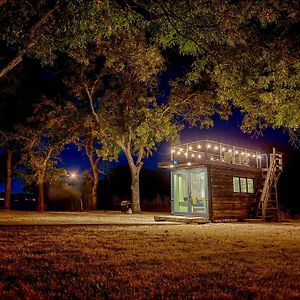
<point>19,57</point>
<point>91,103</point>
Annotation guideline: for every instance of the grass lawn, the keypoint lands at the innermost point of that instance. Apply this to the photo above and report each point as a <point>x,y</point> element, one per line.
<point>144,261</point>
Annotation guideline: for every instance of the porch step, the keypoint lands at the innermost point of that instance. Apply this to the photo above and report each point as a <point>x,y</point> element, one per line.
<point>182,219</point>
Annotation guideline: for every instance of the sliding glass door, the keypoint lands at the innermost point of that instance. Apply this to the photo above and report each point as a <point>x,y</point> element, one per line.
<point>190,192</point>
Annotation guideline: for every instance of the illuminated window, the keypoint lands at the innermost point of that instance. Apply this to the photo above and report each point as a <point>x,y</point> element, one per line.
<point>243,185</point>
<point>236,185</point>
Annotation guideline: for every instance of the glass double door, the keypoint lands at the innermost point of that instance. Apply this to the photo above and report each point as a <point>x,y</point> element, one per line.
<point>190,192</point>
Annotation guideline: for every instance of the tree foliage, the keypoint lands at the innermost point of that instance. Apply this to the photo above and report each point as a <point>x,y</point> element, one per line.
<point>247,52</point>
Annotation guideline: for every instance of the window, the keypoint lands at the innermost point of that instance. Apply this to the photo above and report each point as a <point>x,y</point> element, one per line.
<point>236,185</point>
<point>243,185</point>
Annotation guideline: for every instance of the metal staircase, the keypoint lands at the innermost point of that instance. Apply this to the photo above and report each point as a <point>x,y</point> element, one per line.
<point>268,208</point>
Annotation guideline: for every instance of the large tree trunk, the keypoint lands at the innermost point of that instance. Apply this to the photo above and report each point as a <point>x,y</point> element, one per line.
<point>41,193</point>
<point>135,169</point>
<point>135,189</point>
<point>95,186</point>
<point>89,150</point>
<point>8,179</point>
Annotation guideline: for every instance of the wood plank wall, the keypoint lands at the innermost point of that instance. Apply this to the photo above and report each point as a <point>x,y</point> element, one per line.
<point>225,203</point>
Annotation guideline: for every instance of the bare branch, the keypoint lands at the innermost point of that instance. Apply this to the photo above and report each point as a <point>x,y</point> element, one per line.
<point>19,57</point>
<point>91,103</point>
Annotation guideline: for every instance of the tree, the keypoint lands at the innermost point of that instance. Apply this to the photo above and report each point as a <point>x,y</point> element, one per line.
<point>44,137</point>
<point>89,138</point>
<point>246,51</point>
<point>9,143</point>
<point>44,30</point>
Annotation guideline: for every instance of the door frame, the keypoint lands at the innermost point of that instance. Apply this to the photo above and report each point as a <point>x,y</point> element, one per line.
<point>207,192</point>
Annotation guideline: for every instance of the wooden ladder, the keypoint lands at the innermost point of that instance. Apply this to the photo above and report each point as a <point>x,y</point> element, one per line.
<point>268,208</point>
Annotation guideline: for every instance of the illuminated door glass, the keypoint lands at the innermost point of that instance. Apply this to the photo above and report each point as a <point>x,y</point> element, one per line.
<point>199,203</point>
<point>180,192</point>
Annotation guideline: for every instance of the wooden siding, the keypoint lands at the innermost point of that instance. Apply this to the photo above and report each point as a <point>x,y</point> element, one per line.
<point>224,202</point>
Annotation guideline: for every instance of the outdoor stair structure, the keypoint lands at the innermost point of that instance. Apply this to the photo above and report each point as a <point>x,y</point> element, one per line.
<point>268,208</point>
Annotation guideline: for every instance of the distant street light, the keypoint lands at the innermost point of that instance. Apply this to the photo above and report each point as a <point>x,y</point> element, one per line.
<point>73,175</point>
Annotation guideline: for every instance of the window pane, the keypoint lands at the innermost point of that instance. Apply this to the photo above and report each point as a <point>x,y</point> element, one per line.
<point>250,185</point>
<point>243,185</point>
<point>236,185</point>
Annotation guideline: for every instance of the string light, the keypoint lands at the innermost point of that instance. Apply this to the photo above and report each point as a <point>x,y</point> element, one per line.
<point>188,163</point>
<point>193,155</point>
<point>199,156</point>
<point>248,154</point>
<point>181,149</point>
<point>171,166</point>
<point>208,146</point>
<point>216,148</point>
<point>178,153</point>
<point>173,151</point>
<point>253,155</point>
<point>211,158</point>
<point>199,146</point>
<point>190,148</point>
<point>223,149</point>
<point>236,152</point>
<point>230,150</point>
<point>243,153</point>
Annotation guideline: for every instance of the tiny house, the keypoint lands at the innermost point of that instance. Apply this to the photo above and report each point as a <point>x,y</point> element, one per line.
<point>220,181</point>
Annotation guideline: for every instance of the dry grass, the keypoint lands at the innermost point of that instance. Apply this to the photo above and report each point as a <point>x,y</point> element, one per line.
<point>228,261</point>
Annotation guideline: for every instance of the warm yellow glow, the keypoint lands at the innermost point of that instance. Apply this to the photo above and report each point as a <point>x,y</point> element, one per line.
<point>208,146</point>
<point>253,155</point>
<point>171,166</point>
<point>190,147</point>
<point>223,149</point>
<point>211,158</point>
<point>199,156</point>
<point>73,175</point>
<point>230,150</point>
<point>243,153</point>
<point>236,152</point>
<point>188,163</point>
<point>216,148</point>
<point>199,146</point>
<point>193,155</point>
<point>173,151</point>
<point>181,149</point>
<point>178,153</point>
<point>248,154</point>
